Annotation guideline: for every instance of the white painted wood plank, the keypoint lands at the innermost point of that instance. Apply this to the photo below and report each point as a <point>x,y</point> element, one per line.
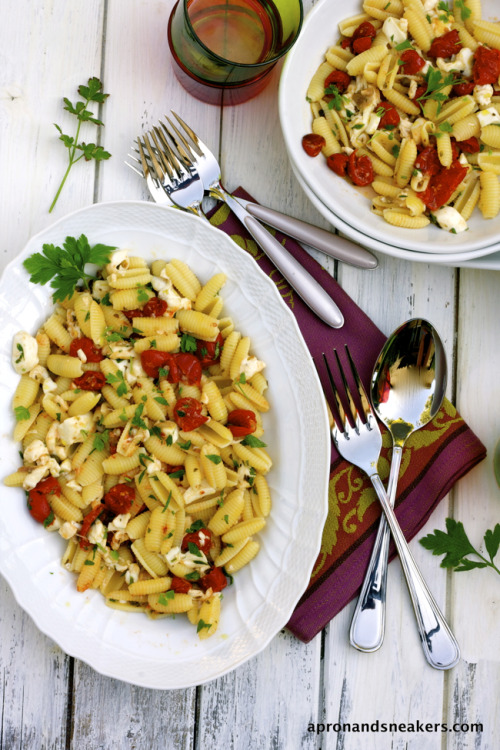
<point>474,692</point>
<point>34,80</point>
<point>266,703</point>
<point>109,713</point>
<point>143,87</point>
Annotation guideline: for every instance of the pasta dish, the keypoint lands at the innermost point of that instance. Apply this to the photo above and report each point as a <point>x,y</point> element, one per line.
<point>139,413</point>
<point>407,101</point>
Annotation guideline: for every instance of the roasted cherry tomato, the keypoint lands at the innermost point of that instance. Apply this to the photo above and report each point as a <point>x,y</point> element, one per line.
<point>38,506</point>
<point>241,422</point>
<point>188,369</point>
<point>338,163</point>
<point>445,46</point>
<point>88,520</point>
<point>486,67</point>
<point>208,352</point>
<point>462,89</point>
<point>214,579</point>
<point>360,169</point>
<point>338,78</point>
<point>428,161</point>
<point>179,585</point>
<point>154,308</point>
<point>90,381</point>
<point>442,186</point>
<point>412,62</point>
<point>49,486</point>
<point>345,43</point>
<point>119,498</point>
<point>201,538</point>
<point>362,38</point>
<point>137,312</point>
<point>92,352</point>
<point>312,143</point>
<point>187,414</point>
<point>152,360</point>
<point>469,146</point>
<point>390,118</point>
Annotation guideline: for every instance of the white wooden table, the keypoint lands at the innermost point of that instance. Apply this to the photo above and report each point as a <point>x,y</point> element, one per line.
<point>48,48</point>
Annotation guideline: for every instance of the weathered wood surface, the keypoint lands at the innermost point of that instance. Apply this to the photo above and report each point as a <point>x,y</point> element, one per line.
<point>49,47</point>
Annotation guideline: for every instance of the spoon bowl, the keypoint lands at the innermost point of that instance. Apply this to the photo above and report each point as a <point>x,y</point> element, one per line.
<point>409,379</point>
<point>407,389</point>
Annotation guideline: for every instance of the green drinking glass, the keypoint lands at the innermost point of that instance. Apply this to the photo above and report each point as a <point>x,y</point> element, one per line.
<point>224,50</point>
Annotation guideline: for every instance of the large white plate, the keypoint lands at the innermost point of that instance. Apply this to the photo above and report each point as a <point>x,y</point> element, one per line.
<point>341,198</point>
<point>167,653</point>
<point>486,259</point>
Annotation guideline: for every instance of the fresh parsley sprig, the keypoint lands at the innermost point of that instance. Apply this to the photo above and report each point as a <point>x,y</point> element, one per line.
<point>456,547</point>
<point>65,266</point>
<point>76,150</point>
<point>436,82</point>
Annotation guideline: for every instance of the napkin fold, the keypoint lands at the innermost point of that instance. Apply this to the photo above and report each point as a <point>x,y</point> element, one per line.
<point>434,458</point>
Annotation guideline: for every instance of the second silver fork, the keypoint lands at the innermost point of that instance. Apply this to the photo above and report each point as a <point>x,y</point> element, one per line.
<point>186,189</point>
<point>358,439</point>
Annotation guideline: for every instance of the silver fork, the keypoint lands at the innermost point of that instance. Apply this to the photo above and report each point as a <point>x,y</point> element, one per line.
<point>185,188</point>
<point>358,439</point>
<point>197,155</point>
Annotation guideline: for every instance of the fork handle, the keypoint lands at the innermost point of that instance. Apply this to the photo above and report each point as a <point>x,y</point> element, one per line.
<point>368,620</point>
<point>438,642</point>
<point>301,280</point>
<point>330,244</point>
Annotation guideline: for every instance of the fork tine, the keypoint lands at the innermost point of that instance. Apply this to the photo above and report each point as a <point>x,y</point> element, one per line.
<point>142,156</point>
<point>352,406</point>
<point>365,402</point>
<point>338,403</point>
<point>184,148</point>
<point>189,131</point>
<point>155,168</point>
<point>168,160</point>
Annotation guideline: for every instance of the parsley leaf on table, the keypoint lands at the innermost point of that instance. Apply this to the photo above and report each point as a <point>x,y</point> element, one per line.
<point>454,544</point>
<point>90,93</point>
<point>64,266</point>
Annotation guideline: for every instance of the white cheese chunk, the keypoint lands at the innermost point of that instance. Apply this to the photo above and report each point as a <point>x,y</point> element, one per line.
<point>69,529</point>
<point>396,30</point>
<point>448,218</point>
<point>132,574</point>
<point>250,366</point>
<point>98,534</point>
<point>488,116</point>
<point>119,523</point>
<point>35,450</point>
<point>196,493</point>
<point>482,94</point>
<point>118,262</point>
<point>24,352</point>
<point>75,429</point>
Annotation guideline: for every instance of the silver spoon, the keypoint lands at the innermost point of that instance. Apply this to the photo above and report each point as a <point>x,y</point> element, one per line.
<point>407,389</point>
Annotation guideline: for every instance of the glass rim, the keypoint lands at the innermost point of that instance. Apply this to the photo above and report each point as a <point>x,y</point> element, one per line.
<point>244,66</point>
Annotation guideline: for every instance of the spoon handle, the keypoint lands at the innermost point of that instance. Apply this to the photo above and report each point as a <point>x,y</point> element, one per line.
<point>368,621</point>
<point>440,646</point>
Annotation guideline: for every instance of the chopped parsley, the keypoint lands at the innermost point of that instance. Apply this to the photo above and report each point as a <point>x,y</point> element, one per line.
<point>21,413</point>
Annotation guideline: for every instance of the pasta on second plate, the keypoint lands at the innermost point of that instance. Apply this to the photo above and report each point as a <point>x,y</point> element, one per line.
<point>408,102</point>
<point>139,413</point>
